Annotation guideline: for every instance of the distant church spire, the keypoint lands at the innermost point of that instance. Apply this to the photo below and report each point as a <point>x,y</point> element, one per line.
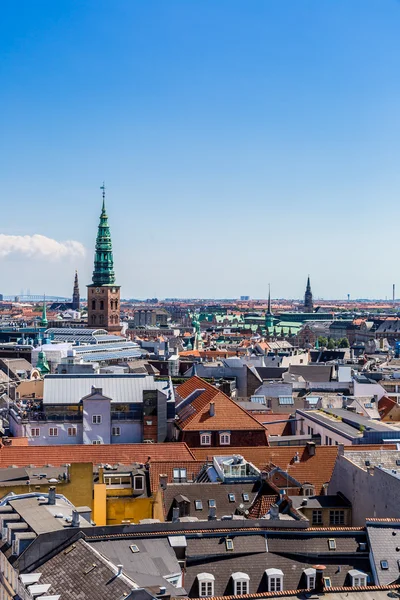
<point>43,320</point>
<point>268,315</point>
<point>308,298</point>
<point>75,294</point>
<point>103,273</point>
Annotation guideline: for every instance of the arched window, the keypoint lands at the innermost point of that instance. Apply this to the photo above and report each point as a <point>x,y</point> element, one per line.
<point>111,304</point>
<point>93,304</point>
<point>241,583</point>
<point>93,319</point>
<point>101,319</point>
<point>101,304</point>
<point>206,584</point>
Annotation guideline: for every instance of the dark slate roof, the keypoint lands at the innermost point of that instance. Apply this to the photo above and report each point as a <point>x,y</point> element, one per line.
<point>384,539</point>
<point>250,556</point>
<point>69,574</point>
<point>316,373</point>
<point>210,491</point>
<point>331,501</point>
<point>148,567</point>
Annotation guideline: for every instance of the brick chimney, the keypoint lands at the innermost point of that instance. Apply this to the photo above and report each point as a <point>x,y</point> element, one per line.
<point>319,578</point>
<point>311,448</point>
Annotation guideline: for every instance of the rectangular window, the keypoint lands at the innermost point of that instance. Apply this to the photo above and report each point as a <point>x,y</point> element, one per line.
<point>205,439</point>
<point>53,431</point>
<point>275,584</point>
<point>96,442</point>
<point>198,505</point>
<point>332,544</point>
<point>311,582</point>
<point>336,517</point>
<point>138,481</point>
<point>72,431</point>
<point>231,497</point>
<point>212,504</point>
<point>384,565</point>
<point>35,432</point>
<point>242,588</point>
<point>206,589</point>
<point>180,475</point>
<point>327,582</point>
<point>116,431</point>
<point>359,582</point>
<point>246,498</point>
<point>229,544</point>
<point>317,517</point>
<point>96,419</point>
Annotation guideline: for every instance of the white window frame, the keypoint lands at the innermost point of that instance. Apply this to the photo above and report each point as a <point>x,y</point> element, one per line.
<point>96,442</point>
<point>206,584</point>
<point>96,419</point>
<point>225,438</point>
<point>241,583</point>
<point>360,581</point>
<point>35,432</point>
<point>179,475</point>
<point>275,580</point>
<point>53,431</point>
<point>205,439</point>
<point>135,487</point>
<point>311,575</point>
<point>71,431</point>
<point>116,430</point>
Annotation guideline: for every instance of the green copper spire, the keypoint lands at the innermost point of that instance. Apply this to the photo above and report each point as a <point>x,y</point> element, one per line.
<point>43,320</point>
<point>42,365</point>
<point>103,273</point>
<point>269,321</point>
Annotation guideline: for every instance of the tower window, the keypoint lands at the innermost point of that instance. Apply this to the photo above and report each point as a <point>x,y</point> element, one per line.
<point>93,304</point>
<point>101,304</point>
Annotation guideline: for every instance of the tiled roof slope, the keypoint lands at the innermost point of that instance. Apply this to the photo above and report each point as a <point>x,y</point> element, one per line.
<point>228,414</point>
<point>166,467</point>
<point>106,453</point>
<point>316,469</point>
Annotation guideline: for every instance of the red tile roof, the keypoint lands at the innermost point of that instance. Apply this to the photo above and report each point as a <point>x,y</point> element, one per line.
<point>385,405</point>
<point>228,415</point>
<point>267,420</point>
<point>112,453</point>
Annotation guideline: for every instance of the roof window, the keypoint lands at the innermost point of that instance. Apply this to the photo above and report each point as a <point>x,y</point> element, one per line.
<point>332,544</point>
<point>384,565</point>
<point>229,544</point>
<point>134,548</point>
<point>231,497</point>
<point>198,504</point>
<point>246,498</point>
<point>212,504</point>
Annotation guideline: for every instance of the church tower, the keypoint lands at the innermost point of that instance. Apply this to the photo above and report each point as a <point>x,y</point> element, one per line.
<point>75,294</point>
<point>308,299</point>
<point>269,320</point>
<point>103,294</point>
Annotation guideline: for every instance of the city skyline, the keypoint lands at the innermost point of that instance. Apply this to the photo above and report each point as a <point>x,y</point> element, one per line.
<point>240,145</point>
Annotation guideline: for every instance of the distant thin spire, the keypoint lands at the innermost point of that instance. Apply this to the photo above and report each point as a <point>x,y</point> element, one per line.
<point>269,312</point>
<point>103,188</point>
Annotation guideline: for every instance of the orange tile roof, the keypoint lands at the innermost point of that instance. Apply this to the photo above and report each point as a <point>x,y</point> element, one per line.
<point>228,415</point>
<point>385,405</point>
<point>105,453</point>
<point>316,469</point>
<point>267,420</point>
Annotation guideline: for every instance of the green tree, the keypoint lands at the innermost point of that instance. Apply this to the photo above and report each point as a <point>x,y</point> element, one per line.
<point>344,343</point>
<point>322,341</point>
<point>331,344</point>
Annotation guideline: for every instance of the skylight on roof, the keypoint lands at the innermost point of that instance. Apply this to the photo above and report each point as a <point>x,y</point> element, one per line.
<point>384,565</point>
<point>332,544</point>
<point>286,400</point>
<point>231,497</point>
<point>246,498</point>
<point>198,504</point>
<point>212,503</point>
<point>134,548</point>
<point>229,544</point>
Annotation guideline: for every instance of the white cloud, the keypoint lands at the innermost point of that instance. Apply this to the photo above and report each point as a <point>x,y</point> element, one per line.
<point>39,246</point>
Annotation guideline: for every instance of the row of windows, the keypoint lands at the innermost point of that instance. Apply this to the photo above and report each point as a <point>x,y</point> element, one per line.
<point>336,517</point>
<point>72,431</point>
<point>224,439</point>
<point>113,304</point>
<point>101,320</point>
<point>241,581</point>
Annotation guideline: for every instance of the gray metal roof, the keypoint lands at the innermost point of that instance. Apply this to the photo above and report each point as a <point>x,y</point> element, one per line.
<point>126,388</point>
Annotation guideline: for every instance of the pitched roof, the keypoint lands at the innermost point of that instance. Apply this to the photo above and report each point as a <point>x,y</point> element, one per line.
<point>273,424</point>
<point>228,415</point>
<point>105,453</point>
<point>316,469</point>
<point>385,405</point>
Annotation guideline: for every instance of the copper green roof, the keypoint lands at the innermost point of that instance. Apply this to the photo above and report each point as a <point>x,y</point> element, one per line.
<point>103,273</point>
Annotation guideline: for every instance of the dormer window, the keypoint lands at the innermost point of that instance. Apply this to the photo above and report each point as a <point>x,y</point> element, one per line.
<point>310,575</point>
<point>206,584</point>
<point>275,580</point>
<point>358,578</point>
<point>308,490</point>
<point>241,583</point>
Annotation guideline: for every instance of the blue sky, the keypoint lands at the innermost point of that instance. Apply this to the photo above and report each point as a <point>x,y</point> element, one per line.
<point>242,142</point>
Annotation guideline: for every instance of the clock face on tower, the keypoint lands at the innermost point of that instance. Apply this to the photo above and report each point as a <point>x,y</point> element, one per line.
<point>97,290</point>
<point>113,290</point>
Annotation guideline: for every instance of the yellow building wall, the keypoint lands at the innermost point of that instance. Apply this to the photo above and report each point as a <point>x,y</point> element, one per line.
<point>128,509</point>
<point>29,387</point>
<point>100,504</point>
<point>158,509</point>
<point>78,490</point>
